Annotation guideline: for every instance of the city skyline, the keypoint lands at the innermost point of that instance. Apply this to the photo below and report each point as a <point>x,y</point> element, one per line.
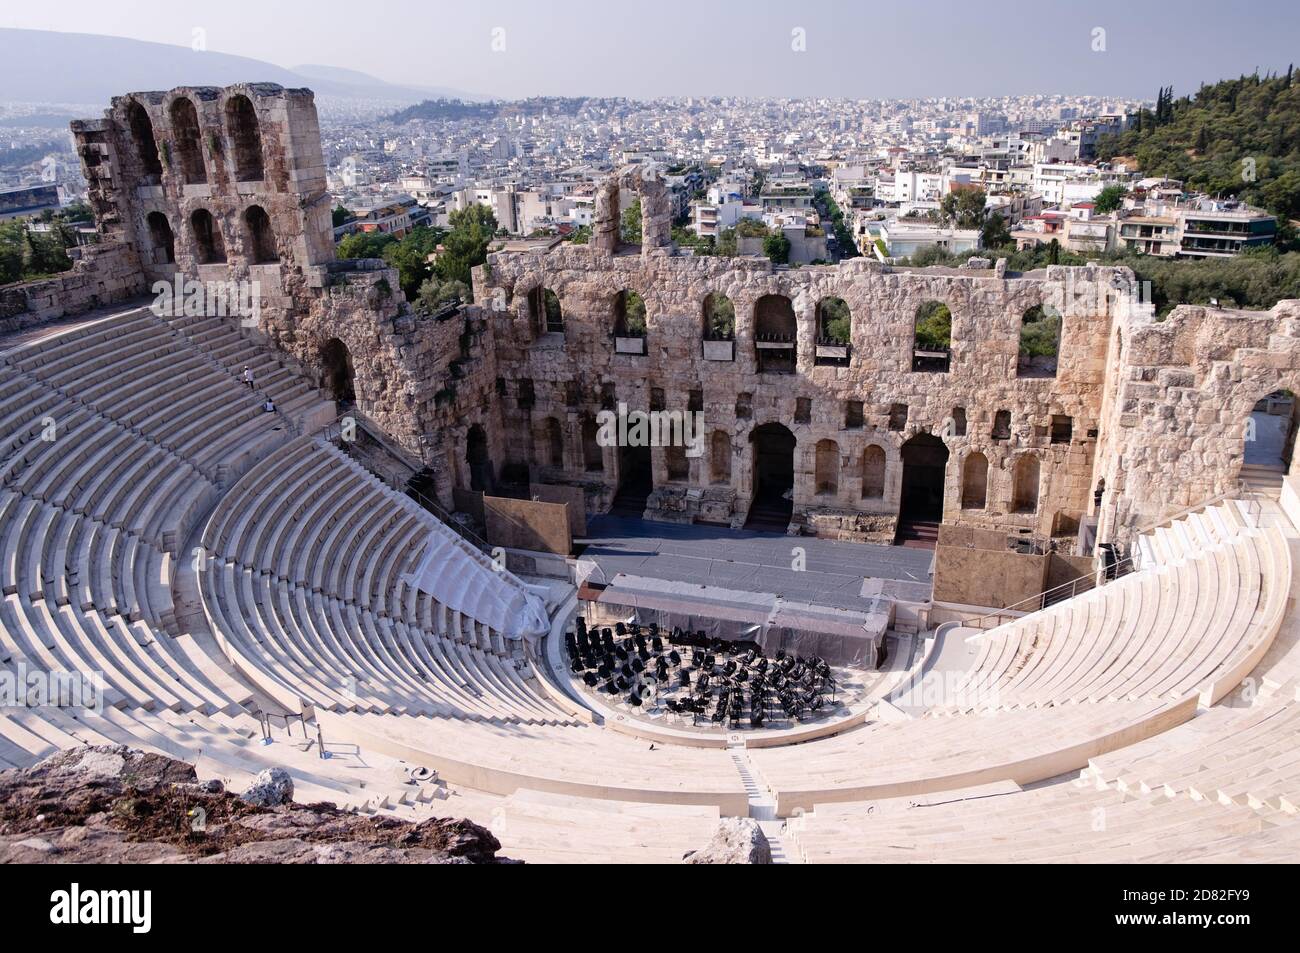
<point>821,50</point>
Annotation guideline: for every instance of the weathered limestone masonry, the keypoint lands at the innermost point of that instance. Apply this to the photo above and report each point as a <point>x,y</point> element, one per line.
<point>1174,429</point>
<point>219,185</point>
<point>229,184</point>
<point>101,275</point>
<point>571,376</point>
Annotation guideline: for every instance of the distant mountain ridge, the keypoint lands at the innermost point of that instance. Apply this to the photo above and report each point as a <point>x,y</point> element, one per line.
<point>43,66</point>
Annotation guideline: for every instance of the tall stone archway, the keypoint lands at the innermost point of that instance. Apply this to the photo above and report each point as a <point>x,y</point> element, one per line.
<point>772,446</point>
<point>478,459</point>
<point>338,378</point>
<point>925,464</point>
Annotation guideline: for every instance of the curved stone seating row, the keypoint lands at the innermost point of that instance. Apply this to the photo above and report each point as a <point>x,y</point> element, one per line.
<point>298,645</point>
<point>578,760</point>
<point>1063,823</point>
<point>63,454</point>
<point>147,378</point>
<point>294,513</point>
<point>539,827</point>
<point>140,665</point>
<point>1197,622</point>
<point>222,341</point>
<point>922,755</point>
<point>302,507</point>
<point>219,745</point>
<point>1246,757</point>
<point>64,558</point>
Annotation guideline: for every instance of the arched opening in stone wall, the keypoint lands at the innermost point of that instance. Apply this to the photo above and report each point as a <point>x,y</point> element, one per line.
<point>959,421</point>
<point>338,378</point>
<point>874,465</point>
<point>593,457</point>
<point>210,247</point>
<point>629,315</point>
<point>1040,342</point>
<point>826,472</point>
<point>720,457</point>
<point>544,308</point>
<point>146,146</point>
<point>834,332</point>
<point>553,436</point>
<point>719,318</point>
<point>161,240</point>
<point>773,447</point>
<point>245,136</point>
<point>776,334</point>
<point>925,464</point>
<point>635,470</point>
<point>479,460</point>
<point>1269,439</point>
<point>189,141</point>
<point>975,482</point>
<point>1001,425</point>
<point>932,337</point>
<point>259,239</point>
<point>1024,485</point>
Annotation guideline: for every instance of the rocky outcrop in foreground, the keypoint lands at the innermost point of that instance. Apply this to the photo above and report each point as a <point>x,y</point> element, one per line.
<point>737,840</point>
<point>118,805</point>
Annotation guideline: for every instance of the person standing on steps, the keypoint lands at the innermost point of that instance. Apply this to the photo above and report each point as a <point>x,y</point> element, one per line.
<point>248,376</point>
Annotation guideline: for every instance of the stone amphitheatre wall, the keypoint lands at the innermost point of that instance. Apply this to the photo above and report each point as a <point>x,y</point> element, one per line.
<point>574,374</point>
<point>1174,429</point>
<point>229,184</point>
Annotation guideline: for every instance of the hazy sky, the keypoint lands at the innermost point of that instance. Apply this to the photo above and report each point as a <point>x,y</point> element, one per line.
<point>642,49</point>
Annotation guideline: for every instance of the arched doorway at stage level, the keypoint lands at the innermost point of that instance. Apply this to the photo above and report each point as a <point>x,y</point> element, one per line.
<point>1270,440</point>
<point>336,372</point>
<point>635,481</point>
<point>920,511</point>
<point>480,464</point>
<point>773,448</point>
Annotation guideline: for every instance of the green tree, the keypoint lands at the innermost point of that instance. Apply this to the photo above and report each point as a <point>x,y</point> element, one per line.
<point>1040,332</point>
<point>720,317</point>
<point>434,294</point>
<point>465,246</point>
<point>994,232</point>
<point>12,256</point>
<point>777,248</point>
<point>364,244</point>
<point>341,215</point>
<point>1110,199</point>
<point>836,320</point>
<point>581,235</point>
<point>726,243</point>
<point>933,326</point>
<point>963,208</point>
<point>630,224</point>
<point>411,257</point>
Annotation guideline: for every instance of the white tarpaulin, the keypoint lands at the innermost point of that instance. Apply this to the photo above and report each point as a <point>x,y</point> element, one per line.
<point>460,577</point>
<point>841,636</point>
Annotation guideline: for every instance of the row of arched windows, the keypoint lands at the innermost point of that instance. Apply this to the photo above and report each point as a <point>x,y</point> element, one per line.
<point>184,152</point>
<point>209,245</point>
<point>1024,483</point>
<point>826,473</point>
<point>776,330</point>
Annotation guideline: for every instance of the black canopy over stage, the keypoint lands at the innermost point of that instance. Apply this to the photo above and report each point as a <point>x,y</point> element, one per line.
<point>840,636</point>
